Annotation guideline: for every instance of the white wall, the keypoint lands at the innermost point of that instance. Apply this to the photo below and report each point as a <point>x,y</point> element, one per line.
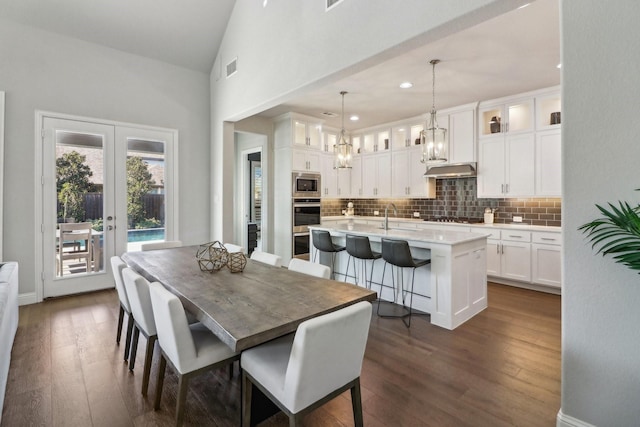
<point>44,71</point>
<point>289,47</point>
<point>601,153</point>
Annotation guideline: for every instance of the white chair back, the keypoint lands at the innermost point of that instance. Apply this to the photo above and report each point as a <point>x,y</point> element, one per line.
<point>327,353</point>
<point>231,248</point>
<point>266,258</point>
<point>174,334</point>
<point>167,244</point>
<point>117,265</point>
<point>138,292</point>
<point>310,268</point>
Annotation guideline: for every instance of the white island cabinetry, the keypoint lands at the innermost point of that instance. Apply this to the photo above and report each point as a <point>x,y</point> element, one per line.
<point>453,288</point>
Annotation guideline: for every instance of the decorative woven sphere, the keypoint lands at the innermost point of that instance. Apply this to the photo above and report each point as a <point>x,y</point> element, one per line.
<point>212,256</point>
<point>236,262</point>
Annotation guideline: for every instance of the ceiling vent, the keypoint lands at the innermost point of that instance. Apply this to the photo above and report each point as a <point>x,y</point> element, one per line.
<point>232,67</point>
<point>329,114</point>
<point>332,3</point>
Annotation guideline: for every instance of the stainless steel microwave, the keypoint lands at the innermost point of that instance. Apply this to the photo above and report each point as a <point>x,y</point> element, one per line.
<point>306,184</point>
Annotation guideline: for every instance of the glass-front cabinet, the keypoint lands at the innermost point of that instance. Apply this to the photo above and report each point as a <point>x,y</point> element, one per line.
<point>406,135</point>
<point>515,116</point>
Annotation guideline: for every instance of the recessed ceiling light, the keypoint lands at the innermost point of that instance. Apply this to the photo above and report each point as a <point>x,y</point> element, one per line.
<point>559,65</point>
<point>354,118</point>
<point>406,85</point>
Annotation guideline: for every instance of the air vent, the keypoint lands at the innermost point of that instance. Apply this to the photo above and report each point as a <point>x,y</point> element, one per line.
<point>329,114</point>
<point>332,3</point>
<point>232,67</point>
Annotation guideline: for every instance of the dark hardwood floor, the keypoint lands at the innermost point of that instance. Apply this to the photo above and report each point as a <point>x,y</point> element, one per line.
<point>501,368</point>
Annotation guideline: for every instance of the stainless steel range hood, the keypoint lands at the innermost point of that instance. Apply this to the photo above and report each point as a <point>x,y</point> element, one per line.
<point>451,170</point>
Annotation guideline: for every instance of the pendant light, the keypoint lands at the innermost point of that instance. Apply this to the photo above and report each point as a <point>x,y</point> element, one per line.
<point>435,147</point>
<point>343,149</point>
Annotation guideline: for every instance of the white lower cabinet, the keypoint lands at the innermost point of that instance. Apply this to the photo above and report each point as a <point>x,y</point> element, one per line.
<point>518,255</point>
<point>546,259</point>
<point>509,254</point>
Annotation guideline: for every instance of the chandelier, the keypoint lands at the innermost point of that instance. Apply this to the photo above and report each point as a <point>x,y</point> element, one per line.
<point>435,146</point>
<point>343,149</point>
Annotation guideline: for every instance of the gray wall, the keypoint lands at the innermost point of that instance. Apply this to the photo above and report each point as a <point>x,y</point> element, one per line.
<point>44,71</point>
<point>601,151</point>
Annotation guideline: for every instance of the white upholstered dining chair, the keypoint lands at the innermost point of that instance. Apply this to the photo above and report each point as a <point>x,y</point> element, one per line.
<point>190,349</point>
<point>117,265</point>
<point>302,372</point>
<point>266,258</point>
<point>167,244</point>
<point>232,248</point>
<point>310,268</point>
<point>137,288</point>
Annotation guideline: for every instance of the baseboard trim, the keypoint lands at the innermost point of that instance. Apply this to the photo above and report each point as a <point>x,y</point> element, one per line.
<point>524,285</point>
<point>28,298</point>
<point>563,420</point>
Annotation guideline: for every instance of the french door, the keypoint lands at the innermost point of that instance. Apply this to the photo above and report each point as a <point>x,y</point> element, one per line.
<point>105,189</point>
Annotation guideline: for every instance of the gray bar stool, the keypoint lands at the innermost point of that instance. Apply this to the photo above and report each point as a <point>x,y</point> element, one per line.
<point>398,254</point>
<point>323,243</point>
<point>359,247</point>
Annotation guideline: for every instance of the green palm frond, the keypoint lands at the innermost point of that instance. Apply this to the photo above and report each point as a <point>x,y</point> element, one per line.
<point>617,233</point>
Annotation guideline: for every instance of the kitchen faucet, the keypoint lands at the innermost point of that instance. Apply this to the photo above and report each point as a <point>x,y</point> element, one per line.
<point>386,214</point>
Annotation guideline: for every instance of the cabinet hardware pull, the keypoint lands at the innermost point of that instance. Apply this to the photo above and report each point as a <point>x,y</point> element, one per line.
<point>519,237</point>
<point>502,188</point>
<point>548,238</point>
<point>498,248</point>
<point>507,185</point>
<point>502,248</point>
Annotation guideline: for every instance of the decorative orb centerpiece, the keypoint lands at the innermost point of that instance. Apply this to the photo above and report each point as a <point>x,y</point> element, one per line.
<point>236,262</point>
<point>212,256</point>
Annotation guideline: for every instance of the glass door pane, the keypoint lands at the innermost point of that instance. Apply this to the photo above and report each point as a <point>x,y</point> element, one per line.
<point>145,192</point>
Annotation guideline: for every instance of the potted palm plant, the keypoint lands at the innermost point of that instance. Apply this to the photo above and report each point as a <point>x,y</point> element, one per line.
<point>617,233</point>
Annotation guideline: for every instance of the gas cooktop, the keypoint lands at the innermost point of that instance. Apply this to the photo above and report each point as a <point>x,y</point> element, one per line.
<point>455,219</point>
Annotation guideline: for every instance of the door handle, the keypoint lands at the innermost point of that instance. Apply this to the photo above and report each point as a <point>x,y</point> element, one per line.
<point>110,227</point>
<point>109,218</point>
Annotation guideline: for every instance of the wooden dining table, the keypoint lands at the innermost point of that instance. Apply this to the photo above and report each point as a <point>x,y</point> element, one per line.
<point>247,308</point>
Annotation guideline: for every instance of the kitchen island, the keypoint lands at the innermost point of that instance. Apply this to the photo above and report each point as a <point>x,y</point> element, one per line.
<point>452,289</point>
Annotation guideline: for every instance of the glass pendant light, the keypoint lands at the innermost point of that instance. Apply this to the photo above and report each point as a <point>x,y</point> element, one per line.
<point>435,147</point>
<point>343,149</point>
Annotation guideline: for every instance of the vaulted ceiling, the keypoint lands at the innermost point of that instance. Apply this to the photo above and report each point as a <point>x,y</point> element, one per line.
<point>512,53</point>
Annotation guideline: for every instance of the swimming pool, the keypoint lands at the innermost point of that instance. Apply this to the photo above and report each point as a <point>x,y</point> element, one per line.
<point>145,235</point>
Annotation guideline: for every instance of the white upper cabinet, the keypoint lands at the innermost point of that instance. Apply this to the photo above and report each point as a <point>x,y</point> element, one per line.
<point>521,133</point>
<point>356,177</point>
<point>506,166</point>
<point>372,141</point>
<point>510,117</point>
<point>462,134</point>
<point>305,160</point>
<point>408,180</point>
<point>406,135</point>
<point>548,163</point>
<point>376,175</point>
<point>548,110</point>
<point>296,130</point>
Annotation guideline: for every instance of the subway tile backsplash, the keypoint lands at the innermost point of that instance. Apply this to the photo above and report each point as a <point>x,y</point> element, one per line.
<point>457,198</point>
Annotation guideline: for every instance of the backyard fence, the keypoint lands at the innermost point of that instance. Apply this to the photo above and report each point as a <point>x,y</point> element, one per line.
<point>153,206</point>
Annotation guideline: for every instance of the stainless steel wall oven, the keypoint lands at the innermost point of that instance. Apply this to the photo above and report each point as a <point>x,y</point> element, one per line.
<point>305,212</point>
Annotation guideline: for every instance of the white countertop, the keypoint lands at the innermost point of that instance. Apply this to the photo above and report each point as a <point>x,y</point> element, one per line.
<point>516,226</point>
<point>443,237</point>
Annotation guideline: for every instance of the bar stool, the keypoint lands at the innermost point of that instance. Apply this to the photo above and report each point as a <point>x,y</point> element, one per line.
<point>398,254</point>
<point>323,243</point>
<point>359,247</point>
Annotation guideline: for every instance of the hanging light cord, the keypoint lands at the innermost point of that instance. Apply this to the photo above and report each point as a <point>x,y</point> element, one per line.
<point>343,93</point>
<point>433,90</point>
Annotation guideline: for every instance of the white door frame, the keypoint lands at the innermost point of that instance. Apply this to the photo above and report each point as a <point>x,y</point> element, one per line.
<point>243,149</point>
<point>171,186</point>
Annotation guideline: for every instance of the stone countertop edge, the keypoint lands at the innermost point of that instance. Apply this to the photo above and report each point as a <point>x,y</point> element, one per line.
<point>517,226</point>
<point>442,237</point>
